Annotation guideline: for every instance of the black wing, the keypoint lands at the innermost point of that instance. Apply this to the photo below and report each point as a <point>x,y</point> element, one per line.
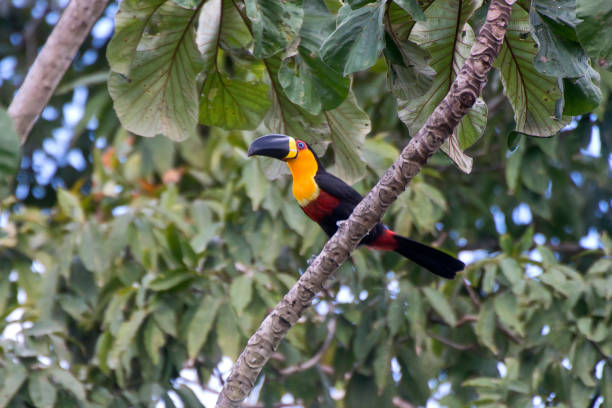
<point>338,188</point>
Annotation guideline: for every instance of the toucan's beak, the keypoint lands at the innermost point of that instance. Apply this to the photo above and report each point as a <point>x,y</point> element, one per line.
<point>277,146</point>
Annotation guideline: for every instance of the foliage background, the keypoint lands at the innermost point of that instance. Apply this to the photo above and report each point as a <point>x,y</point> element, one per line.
<point>131,266</point>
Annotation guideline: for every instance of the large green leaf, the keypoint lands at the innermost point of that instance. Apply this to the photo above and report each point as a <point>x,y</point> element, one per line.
<point>348,125</point>
<point>160,93</point>
<point>13,375</point>
<point>532,94</point>
<point>9,153</point>
<point>68,381</point>
<point>595,30</point>
<point>229,103</point>
<point>201,324</point>
<point>130,22</point>
<point>275,24</point>
<point>581,95</point>
<point>41,391</point>
<point>357,41</point>
<point>558,53</point>
<point>448,38</point>
<point>412,7</point>
<point>311,84</point>
<point>440,305</point>
<point>232,103</point>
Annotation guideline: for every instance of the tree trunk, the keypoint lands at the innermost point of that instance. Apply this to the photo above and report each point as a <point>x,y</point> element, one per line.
<point>462,95</point>
<point>52,62</point>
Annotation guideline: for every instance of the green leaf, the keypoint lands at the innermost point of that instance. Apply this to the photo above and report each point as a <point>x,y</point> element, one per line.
<point>532,95</point>
<point>255,183</point>
<point>190,400</point>
<point>275,24</point>
<point>160,93</point>
<point>307,81</point>
<point>125,336</point>
<point>361,392</point>
<point>395,316</point>
<point>534,172</point>
<point>232,103</point>
<point>514,166</point>
<point>14,375</point>
<point>154,339</point>
<point>382,366</point>
<point>511,270</point>
<point>412,7</point>
<point>348,125</point>
<point>130,22</point>
<point>448,37</point>
<point>200,324</point>
<point>70,205</point>
<point>357,41</point>
<point>241,291</point>
<point>557,55</point>
<point>508,311</point>
<point>93,250</point>
<point>440,305</point>
<point>228,332</point>
<point>169,280</point>
<point>9,153</point>
<point>595,30</point>
<point>310,83</point>
<point>67,381</point>
<point>606,381</point>
<point>41,391</point>
<point>485,326</point>
<point>581,95</point>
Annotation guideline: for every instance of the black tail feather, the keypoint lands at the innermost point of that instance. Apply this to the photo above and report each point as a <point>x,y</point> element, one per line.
<point>429,258</point>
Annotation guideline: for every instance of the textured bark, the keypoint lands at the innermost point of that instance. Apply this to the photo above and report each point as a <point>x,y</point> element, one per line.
<point>52,62</point>
<point>464,91</point>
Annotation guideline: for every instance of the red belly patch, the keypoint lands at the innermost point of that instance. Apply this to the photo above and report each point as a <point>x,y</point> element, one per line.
<point>322,206</point>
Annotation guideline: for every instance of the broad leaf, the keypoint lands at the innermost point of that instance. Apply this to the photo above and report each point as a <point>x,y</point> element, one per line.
<point>68,381</point>
<point>357,41</point>
<point>310,83</point>
<point>130,22</point>
<point>41,391</point>
<point>241,291</point>
<point>200,324</point>
<point>348,125</point>
<point>448,38</point>
<point>557,55</point>
<point>595,30</point>
<point>14,374</point>
<point>412,7</point>
<point>9,153</point>
<point>275,24</point>
<point>160,93</point>
<point>232,103</point>
<point>440,305</point>
<point>485,326</point>
<point>532,95</point>
<point>70,205</point>
<point>581,95</point>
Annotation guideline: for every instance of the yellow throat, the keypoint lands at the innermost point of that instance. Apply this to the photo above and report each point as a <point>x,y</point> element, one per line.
<point>303,169</point>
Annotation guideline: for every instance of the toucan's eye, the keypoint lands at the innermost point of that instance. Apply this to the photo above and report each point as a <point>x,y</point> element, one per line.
<point>300,145</point>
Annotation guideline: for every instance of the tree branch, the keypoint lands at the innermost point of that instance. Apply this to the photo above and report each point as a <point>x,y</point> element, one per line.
<point>462,95</point>
<point>52,62</point>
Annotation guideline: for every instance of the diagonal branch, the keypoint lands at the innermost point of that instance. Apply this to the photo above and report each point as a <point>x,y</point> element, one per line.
<point>52,62</point>
<point>462,95</point>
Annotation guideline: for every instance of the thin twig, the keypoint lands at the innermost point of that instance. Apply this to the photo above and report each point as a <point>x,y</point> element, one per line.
<point>331,332</point>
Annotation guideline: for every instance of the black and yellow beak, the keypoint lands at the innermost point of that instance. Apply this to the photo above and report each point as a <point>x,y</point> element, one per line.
<point>277,146</point>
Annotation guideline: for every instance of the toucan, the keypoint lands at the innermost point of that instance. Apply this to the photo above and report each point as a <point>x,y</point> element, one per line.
<point>327,200</point>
